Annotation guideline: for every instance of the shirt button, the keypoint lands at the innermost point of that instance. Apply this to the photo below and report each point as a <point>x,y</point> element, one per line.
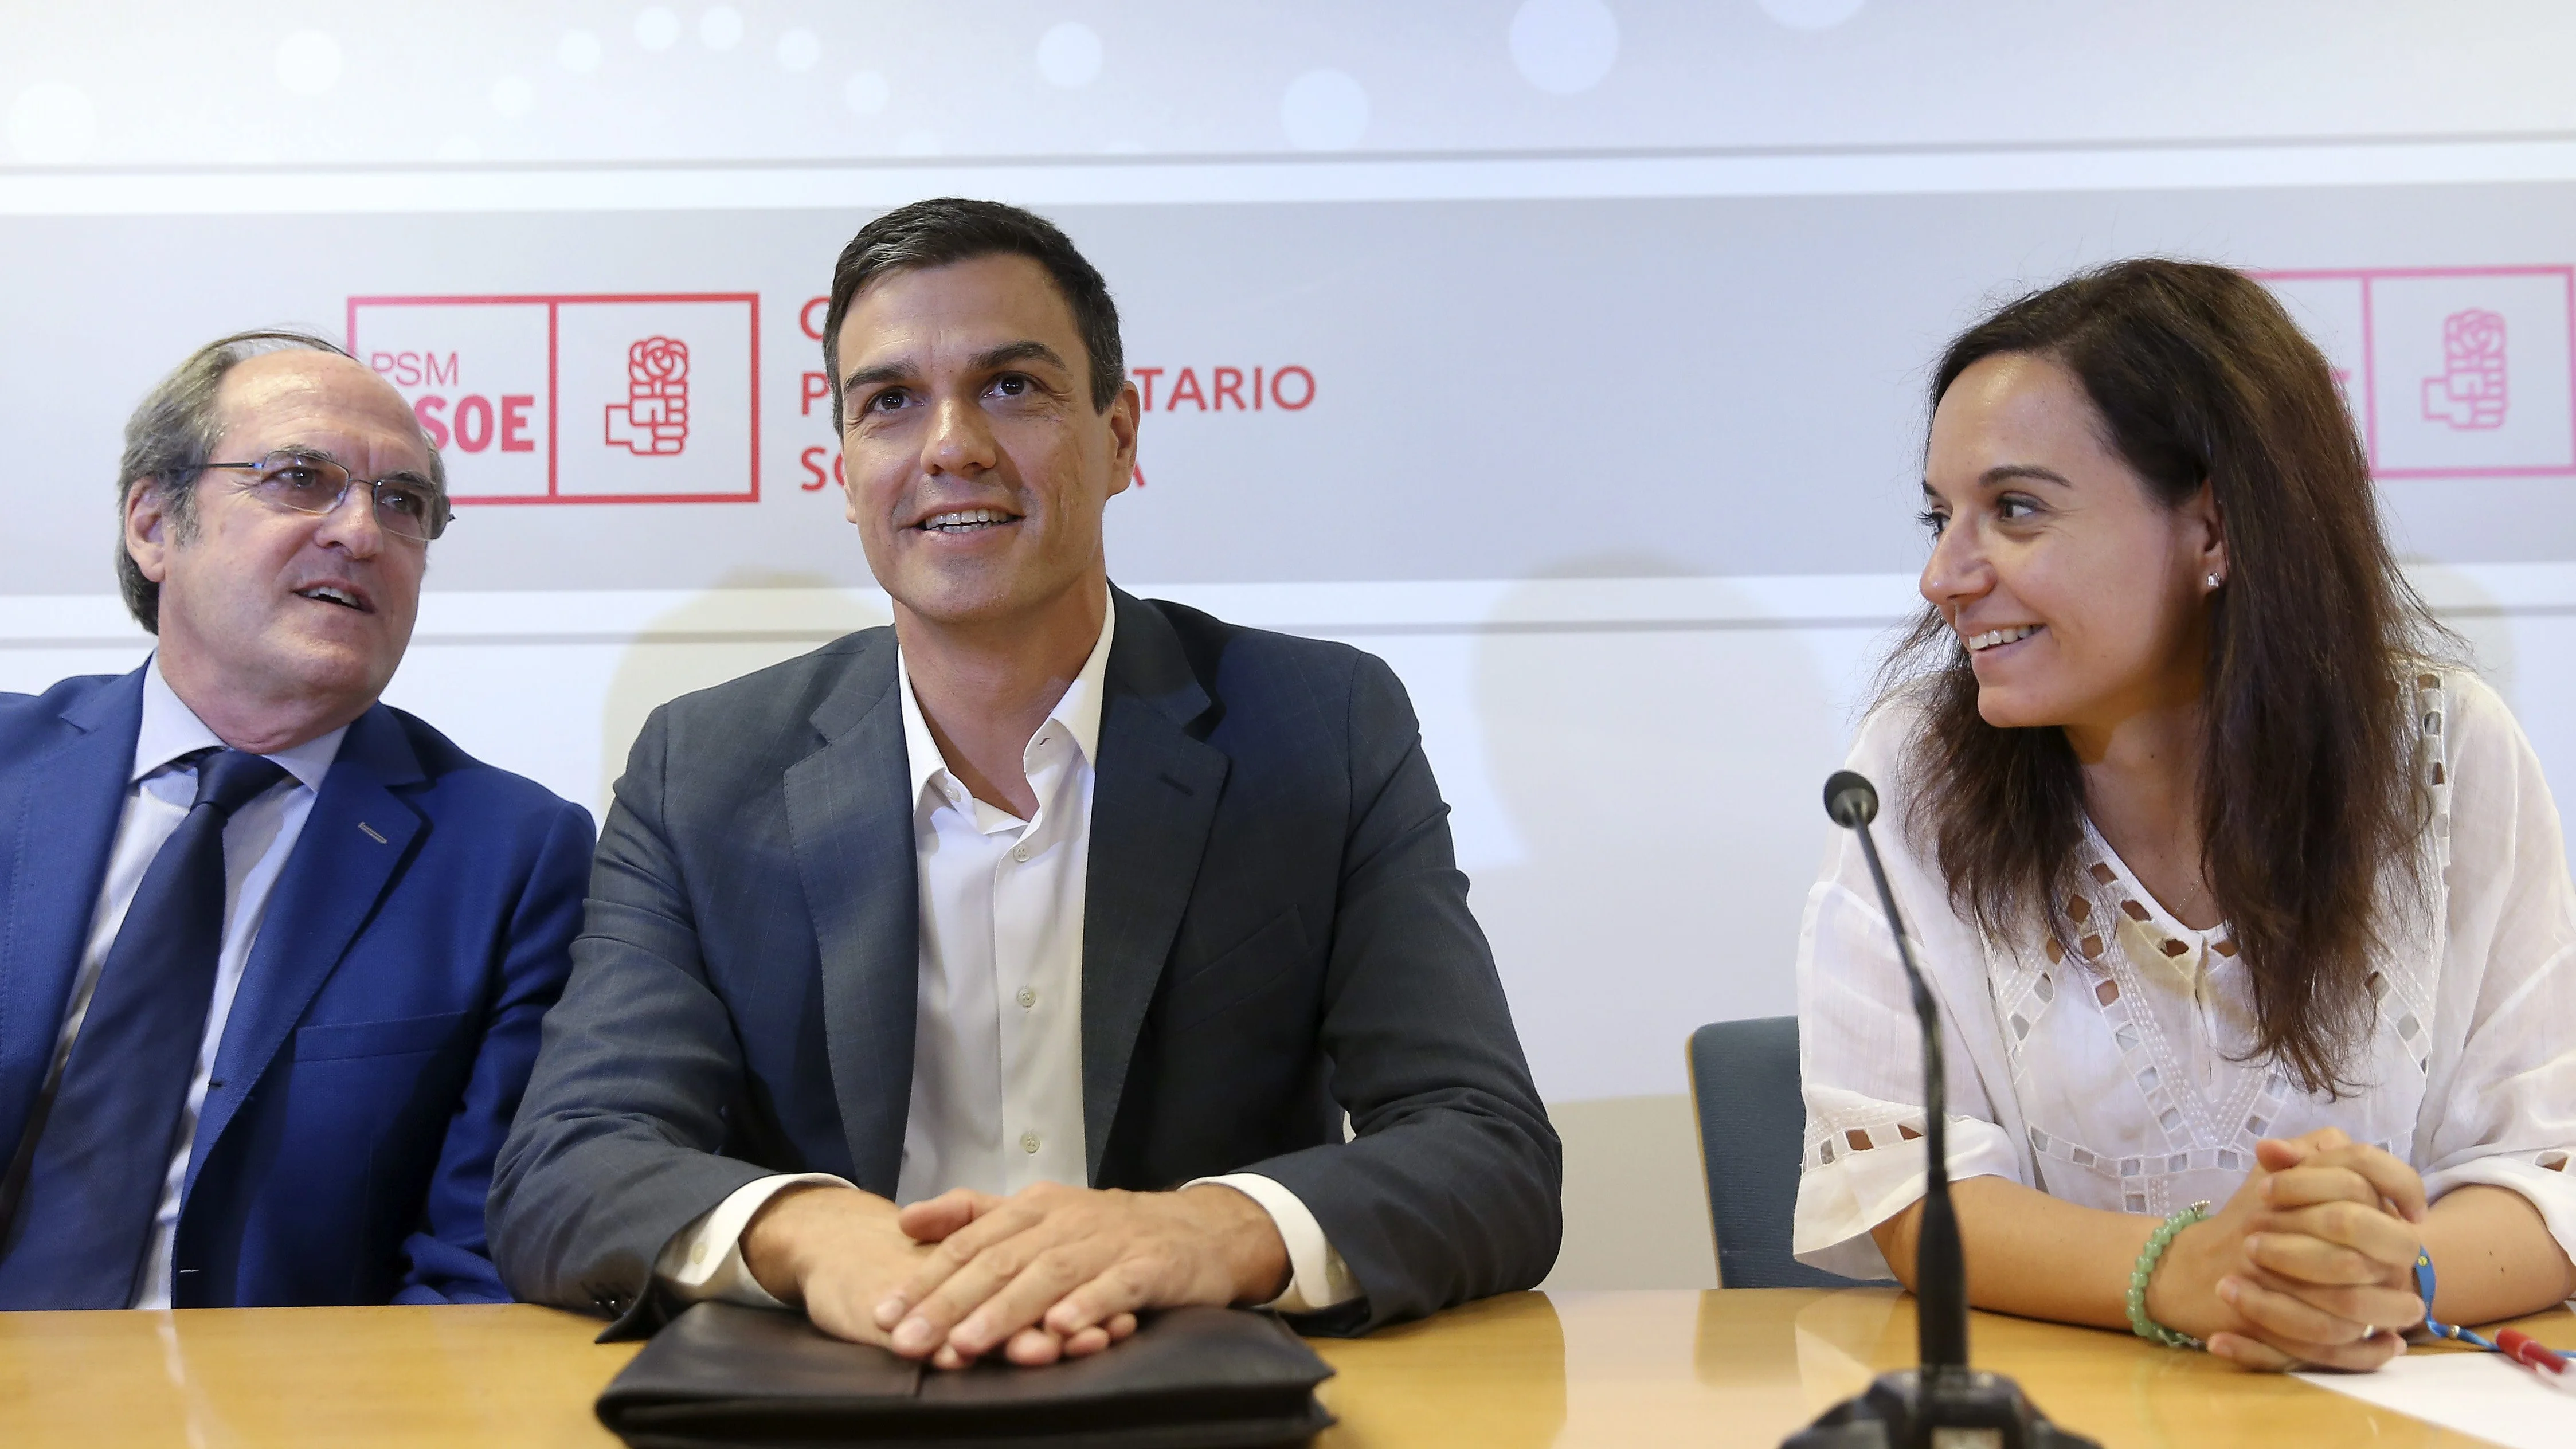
<point>1028,1142</point>
<point>1028,996</point>
<point>1020,853</point>
<point>698,1253</point>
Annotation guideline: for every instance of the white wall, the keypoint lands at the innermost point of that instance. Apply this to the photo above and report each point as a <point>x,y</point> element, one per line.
<point>1617,316</point>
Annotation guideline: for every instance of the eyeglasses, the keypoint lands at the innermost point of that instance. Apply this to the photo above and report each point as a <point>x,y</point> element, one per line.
<point>406,506</point>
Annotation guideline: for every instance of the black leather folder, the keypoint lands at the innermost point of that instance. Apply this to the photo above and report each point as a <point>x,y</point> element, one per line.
<point>1190,1378</point>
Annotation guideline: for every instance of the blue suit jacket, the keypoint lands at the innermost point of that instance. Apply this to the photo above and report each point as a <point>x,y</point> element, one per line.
<point>386,1020</point>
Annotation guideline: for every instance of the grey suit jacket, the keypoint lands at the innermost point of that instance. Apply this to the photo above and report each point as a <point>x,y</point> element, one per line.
<point>1275,933</point>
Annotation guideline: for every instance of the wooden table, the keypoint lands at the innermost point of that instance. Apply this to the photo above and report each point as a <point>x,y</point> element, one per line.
<point>1528,1369</point>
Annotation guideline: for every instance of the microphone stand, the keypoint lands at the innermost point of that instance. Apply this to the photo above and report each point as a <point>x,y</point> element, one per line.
<point>1944,1404</point>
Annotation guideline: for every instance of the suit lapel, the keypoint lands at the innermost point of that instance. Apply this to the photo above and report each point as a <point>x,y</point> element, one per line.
<point>1154,797</point>
<point>351,848</point>
<point>852,829</point>
<point>58,820</point>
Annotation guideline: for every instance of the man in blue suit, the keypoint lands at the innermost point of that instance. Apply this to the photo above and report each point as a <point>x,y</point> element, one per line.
<point>272,954</point>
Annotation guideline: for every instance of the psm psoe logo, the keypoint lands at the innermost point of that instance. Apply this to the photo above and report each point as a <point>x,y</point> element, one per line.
<point>654,419</point>
<point>578,397</point>
<point>2469,393</point>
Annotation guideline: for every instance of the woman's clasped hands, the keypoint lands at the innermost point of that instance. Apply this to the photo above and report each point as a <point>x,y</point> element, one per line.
<point>2310,1265</point>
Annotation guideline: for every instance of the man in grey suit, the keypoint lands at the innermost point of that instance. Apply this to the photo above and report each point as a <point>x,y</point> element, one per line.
<point>977,983</point>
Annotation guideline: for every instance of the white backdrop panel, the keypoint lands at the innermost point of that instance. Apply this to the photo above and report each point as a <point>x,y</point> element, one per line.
<point>1568,354</point>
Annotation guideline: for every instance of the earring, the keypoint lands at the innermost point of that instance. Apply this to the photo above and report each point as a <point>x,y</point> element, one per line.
<point>2213,581</point>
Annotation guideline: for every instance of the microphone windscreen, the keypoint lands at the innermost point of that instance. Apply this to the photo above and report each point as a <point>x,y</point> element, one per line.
<point>1850,799</point>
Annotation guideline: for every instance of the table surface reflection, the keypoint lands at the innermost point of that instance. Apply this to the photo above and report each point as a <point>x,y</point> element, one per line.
<point>1526,1369</point>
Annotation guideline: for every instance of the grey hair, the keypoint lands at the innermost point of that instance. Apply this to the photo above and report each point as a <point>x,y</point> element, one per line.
<point>172,435</point>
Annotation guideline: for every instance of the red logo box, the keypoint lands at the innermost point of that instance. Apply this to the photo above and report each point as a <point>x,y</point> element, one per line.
<point>591,398</point>
<point>2452,372</point>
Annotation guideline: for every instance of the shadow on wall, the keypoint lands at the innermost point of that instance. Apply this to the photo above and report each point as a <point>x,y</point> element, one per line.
<point>1662,777</point>
<point>748,621</point>
<point>1636,1202</point>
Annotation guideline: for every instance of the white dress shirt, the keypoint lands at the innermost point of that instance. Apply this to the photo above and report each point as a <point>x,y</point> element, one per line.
<point>997,1039</point>
<point>257,841</point>
<point>2118,1075</point>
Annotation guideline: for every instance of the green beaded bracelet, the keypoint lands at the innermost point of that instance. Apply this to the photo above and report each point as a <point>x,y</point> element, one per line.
<point>2139,1323</point>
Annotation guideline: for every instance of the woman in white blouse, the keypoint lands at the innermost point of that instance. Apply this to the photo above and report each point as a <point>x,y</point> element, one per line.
<point>2228,891</point>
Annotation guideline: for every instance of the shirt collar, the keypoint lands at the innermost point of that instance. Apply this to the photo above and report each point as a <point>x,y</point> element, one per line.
<point>172,730</point>
<point>1078,711</point>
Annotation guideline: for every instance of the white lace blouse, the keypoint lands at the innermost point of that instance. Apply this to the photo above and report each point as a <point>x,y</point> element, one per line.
<point>2114,1075</point>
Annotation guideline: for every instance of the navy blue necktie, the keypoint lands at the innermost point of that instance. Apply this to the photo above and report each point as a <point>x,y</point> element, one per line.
<point>89,1171</point>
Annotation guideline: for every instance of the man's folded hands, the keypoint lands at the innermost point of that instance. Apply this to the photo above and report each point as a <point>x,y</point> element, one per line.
<point>1050,1272</point>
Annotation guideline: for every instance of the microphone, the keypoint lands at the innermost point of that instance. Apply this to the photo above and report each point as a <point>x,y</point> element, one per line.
<point>1940,1272</point>
<point>1852,801</point>
<point>1933,1404</point>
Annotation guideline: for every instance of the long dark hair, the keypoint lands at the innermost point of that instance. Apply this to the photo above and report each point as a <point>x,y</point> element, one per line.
<point>2308,784</point>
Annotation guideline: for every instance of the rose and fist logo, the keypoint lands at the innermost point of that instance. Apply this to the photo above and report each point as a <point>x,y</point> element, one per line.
<point>654,419</point>
<point>2470,393</point>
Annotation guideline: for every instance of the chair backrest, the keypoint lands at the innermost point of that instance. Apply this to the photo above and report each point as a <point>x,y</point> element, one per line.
<point>1752,1126</point>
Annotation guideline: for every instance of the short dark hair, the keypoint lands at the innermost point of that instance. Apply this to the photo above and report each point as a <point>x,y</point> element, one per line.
<point>952,229</point>
<point>172,435</point>
<point>2309,777</point>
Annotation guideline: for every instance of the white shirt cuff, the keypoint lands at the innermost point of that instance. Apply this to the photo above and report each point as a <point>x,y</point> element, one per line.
<point>703,1261</point>
<point>1317,1278</point>
<point>1839,1202</point>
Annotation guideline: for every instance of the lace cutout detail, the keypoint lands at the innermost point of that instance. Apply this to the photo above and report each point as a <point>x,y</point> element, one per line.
<point>2248,1104</point>
<point>2405,1007</point>
<point>1850,1140</point>
<point>2145,1179</point>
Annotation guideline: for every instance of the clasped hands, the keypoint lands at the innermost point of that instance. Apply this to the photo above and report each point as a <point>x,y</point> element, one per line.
<point>2311,1264</point>
<point>1046,1273</point>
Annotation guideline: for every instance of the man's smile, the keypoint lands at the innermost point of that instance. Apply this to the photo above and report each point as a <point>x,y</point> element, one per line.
<point>340,593</point>
<point>966,520</point>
